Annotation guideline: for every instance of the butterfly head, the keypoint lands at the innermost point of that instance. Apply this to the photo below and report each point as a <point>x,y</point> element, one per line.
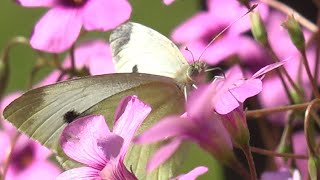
<point>196,72</point>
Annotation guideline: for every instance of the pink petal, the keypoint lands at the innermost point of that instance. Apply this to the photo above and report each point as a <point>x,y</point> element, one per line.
<point>34,171</point>
<point>52,78</point>
<point>248,88</point>
<point>57,30</point>
<point>36,3</point>
<point>268,68</point>
<point>300,147</point>
<point>252,54</point>
<point>80,173</point>
<point>105,15</point>
<point>39,152</point>
<point>198,104</point>
<point>217,9</point>
<point>193,29</point>
<point>5,144</point>
<point>162,154</point>
<point>89,141</point>
<point>95,55</point>
<point>132,116</point>
<point>168,127</point>
<point>8,127</point>
<point>276,175</point>
<point>193,174</point>
<point>168,2</point>
<point>116,170</point>
<point>235,10</point>
<point>226,103</point>
<point>222,49</point>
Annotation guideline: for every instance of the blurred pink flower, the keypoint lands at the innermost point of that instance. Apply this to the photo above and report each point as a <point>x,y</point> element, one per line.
<point>282,174</point>
<point>300,147</point>
<point>59,28</point>
<point>29,159</point>
<point>199,126</point>
<point>227,93</point>
<point>168,2</point>
<point>95,55</point>
<point>193,174</point>
<point>200,29</point>
<point>282,45</point>
<point>89,140</point>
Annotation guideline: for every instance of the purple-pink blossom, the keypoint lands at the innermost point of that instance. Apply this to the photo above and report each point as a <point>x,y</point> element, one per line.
<point>200,128</point>
<point>199,30</point>
<point>89,141</point>
<point>60,27</point>
<point>94,56</point>
<point>225,94</point>
<point>168,2</point>
<point>193,174</point>
<point>29,160</point>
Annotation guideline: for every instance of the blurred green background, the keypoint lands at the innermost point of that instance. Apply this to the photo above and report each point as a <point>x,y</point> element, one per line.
<point>19,21</point>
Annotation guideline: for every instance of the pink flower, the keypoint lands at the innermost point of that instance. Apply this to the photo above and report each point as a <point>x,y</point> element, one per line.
<point>94,55</point>
<point>200,29</point>
<point>29,159</point>
<point>283,174</point>
<point>89,141</point>
<point>282,45</point>
<point>226,94</point>
<point>193,174</point>
<point>202,129</point>
<point>59,28</point>
<point>168,2</point>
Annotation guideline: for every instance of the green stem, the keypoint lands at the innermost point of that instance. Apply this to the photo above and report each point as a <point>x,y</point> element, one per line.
<point>308,127</point>
<point>273,153</point>
<point>267,111</point>
<point>247,151</point>
<point>312,80</point>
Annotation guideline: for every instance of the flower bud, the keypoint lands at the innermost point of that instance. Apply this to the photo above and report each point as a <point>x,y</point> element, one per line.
<point>295,32</point>
<point>236,124</point>
<point>258,28</point>
<point>314,167</point>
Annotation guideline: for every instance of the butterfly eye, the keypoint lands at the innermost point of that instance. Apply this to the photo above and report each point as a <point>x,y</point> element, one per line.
<point>197,73</point>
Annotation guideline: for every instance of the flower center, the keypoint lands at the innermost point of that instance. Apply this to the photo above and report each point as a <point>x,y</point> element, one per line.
<point>73,3</point>
<point>23,158</point>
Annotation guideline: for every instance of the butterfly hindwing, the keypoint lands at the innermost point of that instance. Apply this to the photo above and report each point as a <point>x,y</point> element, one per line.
<point>40,112</point>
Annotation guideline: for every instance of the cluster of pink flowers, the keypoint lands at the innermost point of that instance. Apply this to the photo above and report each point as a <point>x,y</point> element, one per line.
<point>215,118</point>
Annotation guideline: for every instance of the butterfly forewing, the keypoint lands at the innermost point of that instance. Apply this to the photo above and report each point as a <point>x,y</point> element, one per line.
<point>137,48</point>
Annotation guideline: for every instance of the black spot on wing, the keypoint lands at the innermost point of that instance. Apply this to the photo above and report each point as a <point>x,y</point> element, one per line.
<point>70,116</point>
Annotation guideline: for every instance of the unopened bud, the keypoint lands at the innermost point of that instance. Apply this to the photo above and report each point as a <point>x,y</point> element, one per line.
<point>258,28</point>
<point>236,124</point>
<point>314,167</point>
<point>295,32</point>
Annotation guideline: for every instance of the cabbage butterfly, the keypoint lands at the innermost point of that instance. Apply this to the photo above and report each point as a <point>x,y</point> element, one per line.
<point>160,74</point>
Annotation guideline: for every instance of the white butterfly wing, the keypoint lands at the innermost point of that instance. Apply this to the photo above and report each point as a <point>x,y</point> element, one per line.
<point>137,48</point>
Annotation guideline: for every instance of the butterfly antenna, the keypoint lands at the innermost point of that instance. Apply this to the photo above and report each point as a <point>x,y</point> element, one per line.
<point>187,49</point>
<point>226,28</point>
